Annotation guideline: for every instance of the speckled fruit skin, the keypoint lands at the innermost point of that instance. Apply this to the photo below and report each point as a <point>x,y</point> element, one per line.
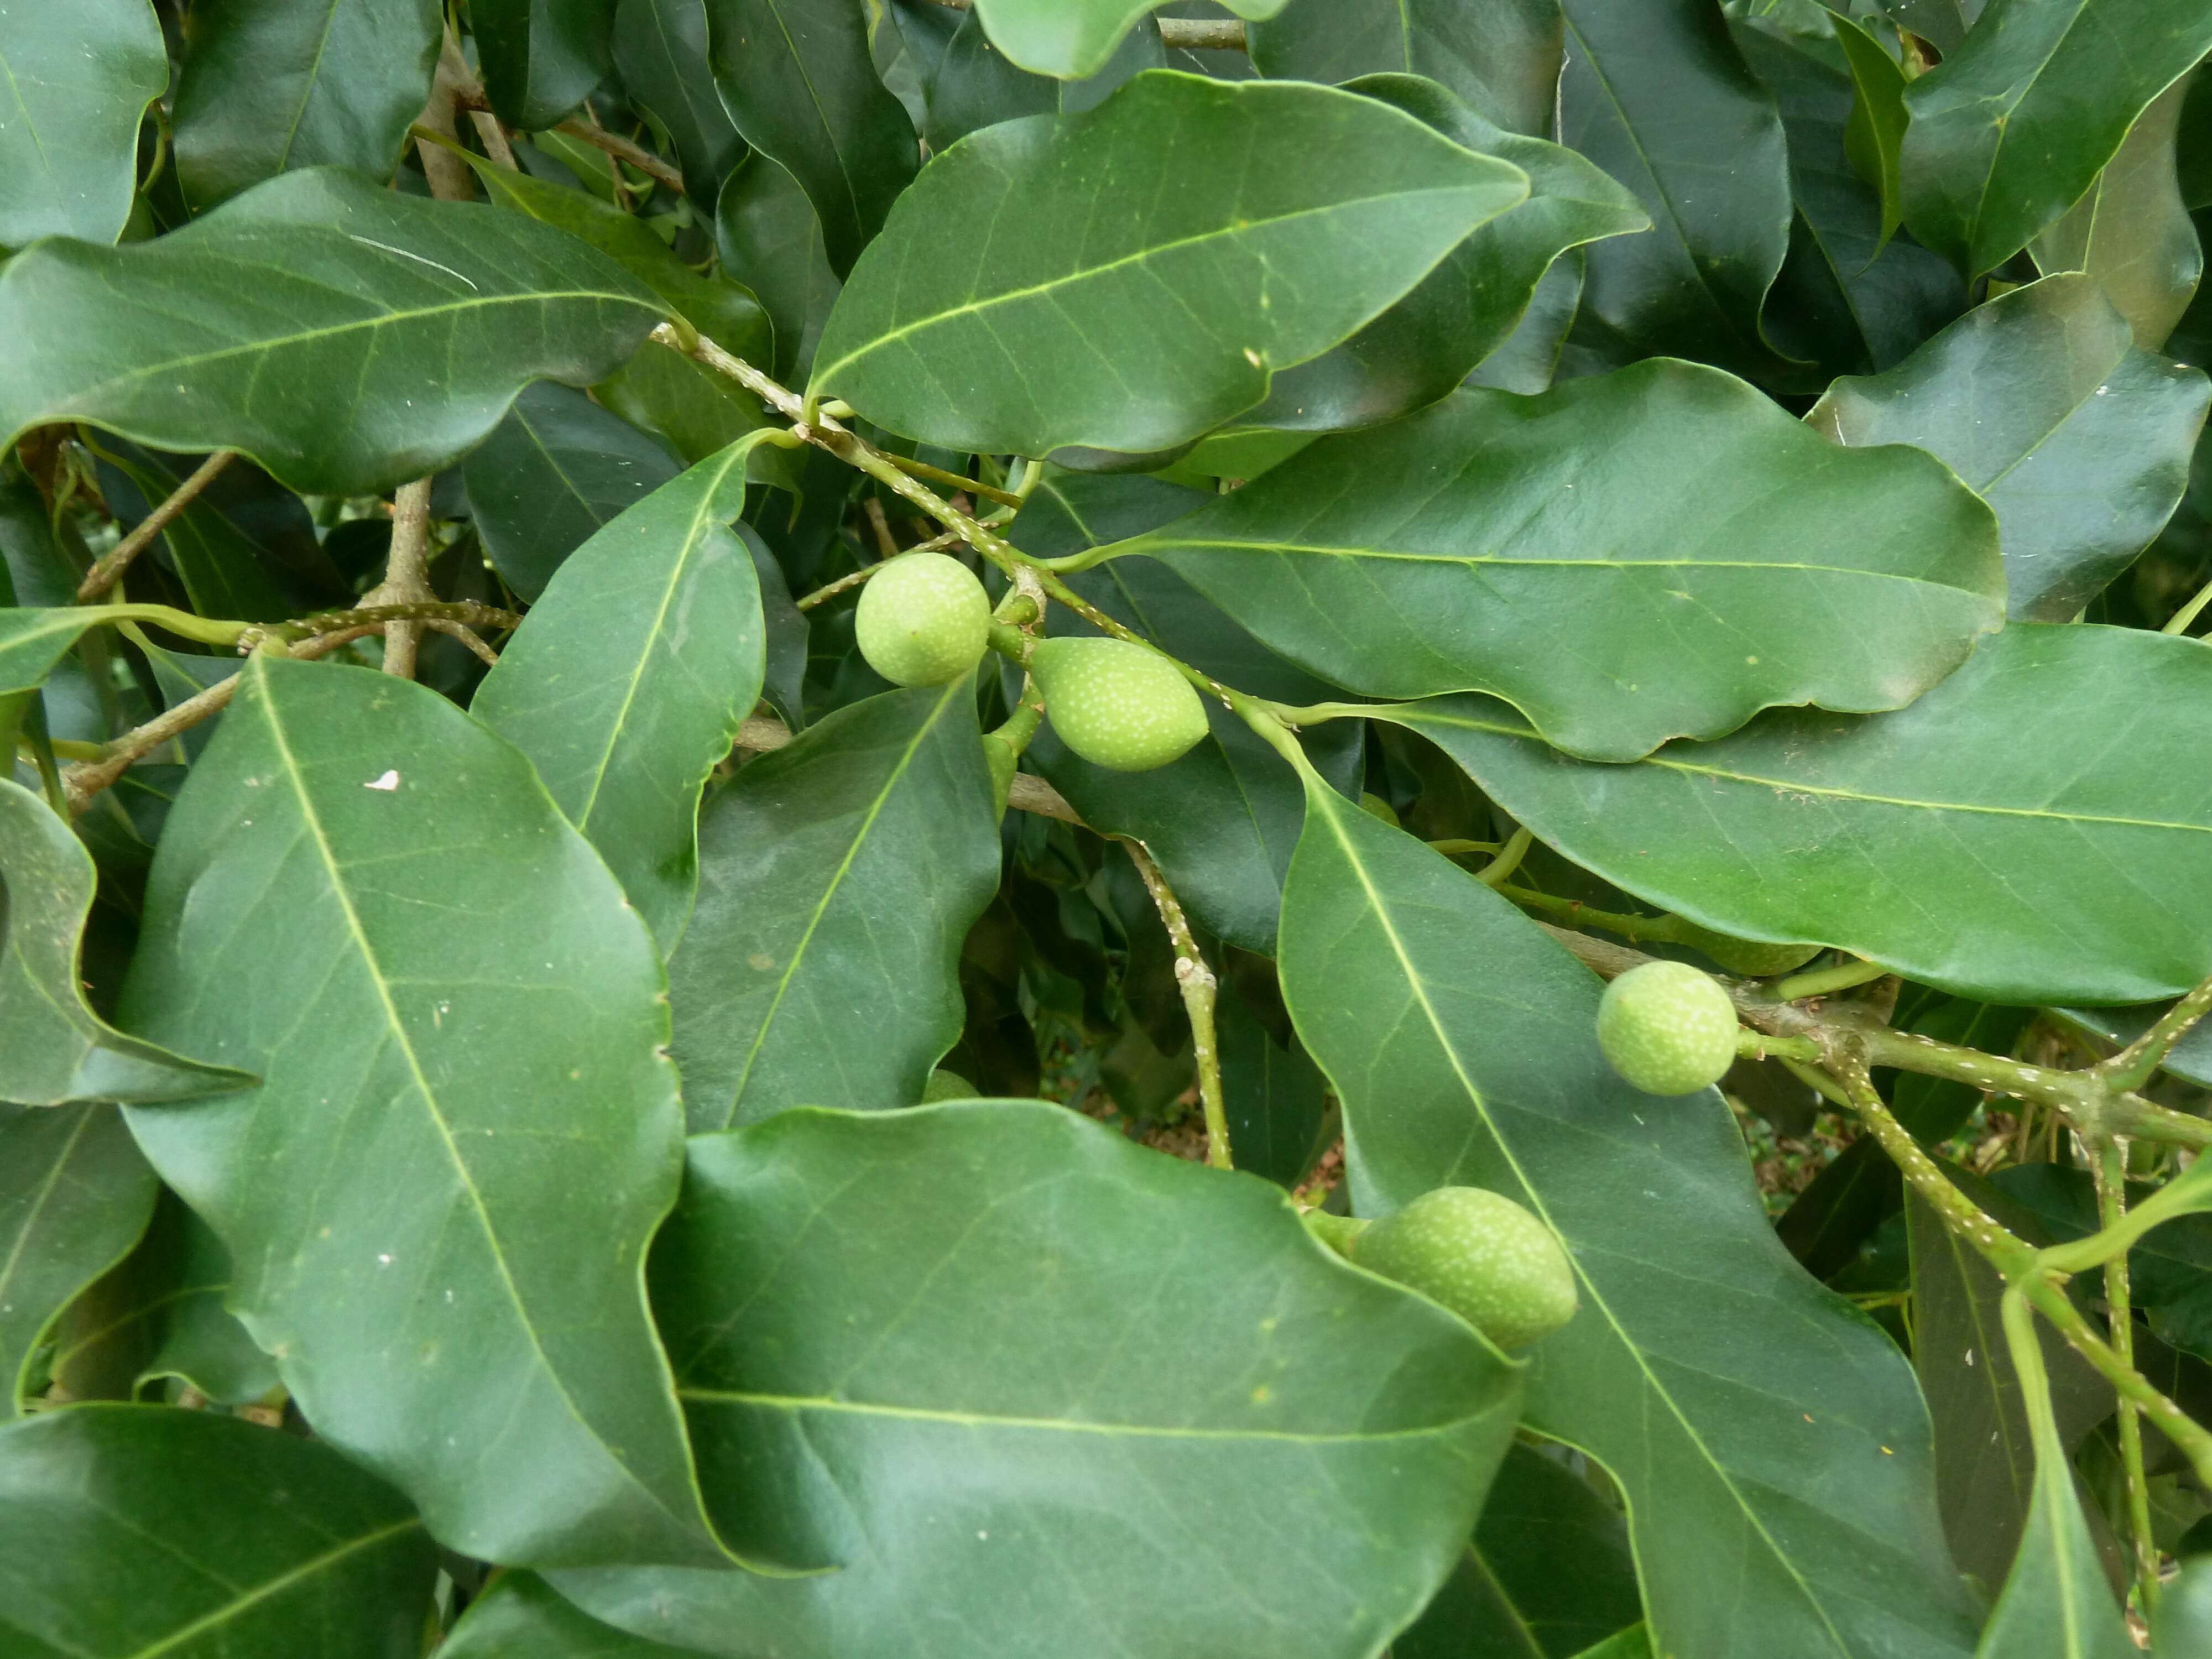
<point>1754,957</point>
<point>1666,1028</point>
<point>1116,704</point>
<point>923,620</point>
<point>1481,1255</point>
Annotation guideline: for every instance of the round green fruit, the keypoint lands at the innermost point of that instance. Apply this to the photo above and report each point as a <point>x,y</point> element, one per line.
<point>1116,704</point>
<point>923,620</point>
<point>947,1085</point>
<point>1666,1028</point>
<point>1481,1255</point>
<point>1755,958</point>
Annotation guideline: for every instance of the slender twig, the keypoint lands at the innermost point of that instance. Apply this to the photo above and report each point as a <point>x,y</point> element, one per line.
<point>852,579</point>
<point>1031,794</point>
<point>923,470</point>
<point>1199,987</point>
<point>2179,620</point>
<point>452,87</point>
<point>623,150</point>
<point>406,575</point>
<point>887,545</point>
<point>1821,981</point>
<point>1225,34</point>
<point>1493,874</point>
<point>103,574</point>
<point>2132,1066</point>
<point>2109,1166</point>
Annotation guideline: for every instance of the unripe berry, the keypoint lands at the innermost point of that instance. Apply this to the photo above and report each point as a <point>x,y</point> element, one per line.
<point>1667,1029</point>
<point>1755,958</point>
<point>1478,1253</point>
<point>1116,704</point>
<point>922,620</point>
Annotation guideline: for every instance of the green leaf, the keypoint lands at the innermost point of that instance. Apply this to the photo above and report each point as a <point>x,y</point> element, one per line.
<point>1462,1044</point>
<point>1277,1103</point>
<point>1657,94</point>
<point>541,57</point>
<point>721,310</point>
<point>75,82</point>
<point>521,1617</point>
<point>2056,1602</point>
<point>975,86</point>
<point>2041,401</point>
<point>1876,134</point>
<point>837,878</point>
<point>346,336</point>
<point>1985,1461</point>
<point>660,47</point>
<point>1151,1382</point>
<point>270,85</point>
<point>2010,129</point>
<point>769,239</point>
<point>1221,820</point>
<point>200,1343</point>
<point>1131,304</point>
<point>32,642</point>
<point>449,1000</point>
<point>53,1048</point>
<point>1697,554</point>
<point>1421,348</point>
<point>219,567</point>
<point>626,682</point>
<point>2191,1057</point>
<point>552,473</point>
<point>74,1195</point>
<point>2132,231</point>
<point>1072,38</point>
<point>798,80</point>
<point>2030,831</point>
<point>1529,356</point>
<point>1547,1574</point>
<point>1501,58</point>
<point>1846,295</point>
<point>130,1531</point>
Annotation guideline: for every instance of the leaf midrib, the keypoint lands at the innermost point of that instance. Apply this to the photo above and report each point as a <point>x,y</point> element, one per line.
<point>982,304</point>
<point>267,1588</point>
<point>1419,986</point>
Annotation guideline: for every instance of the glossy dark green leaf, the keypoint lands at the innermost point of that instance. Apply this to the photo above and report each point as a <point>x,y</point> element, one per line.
<point>32,641</point>
<point>1529,356</point>
<point>220,567</point>
<point>975,85</point>
<point>1502,58</point>
<point>1695,553</point>
<point>1877,119</point>
<point>1221,820</point>
<point>1986,1458</point>
<point>556,470</point>
<point>1072,38</point>
<point>769,239</point>
<point>660,47</point>
<point>1655,93</point>
<point>1547,1574</point>
<point>53,1048</point>
<point>132,1531</point>
<point>269,85</point>
<point>718,308</point>
<point>346,336</point>
<point>837,877</point>
<point>198,1341</point>
<point>1462,1044</point>
<point>75,82</point>
<point>369,899</point>
<point>2031,830</point>
<point>626,682</point>
<point>1847,295</point>
<point>797,78</point>
<point>521,1617</point>
<point>1133,303</point>
<point>2010,129</point>
<point>1277,1103</point>
<point>2041,401</point>
<point>75,1195</point>
<point>541,57</point>
<point>2132,231</point>
<point>1130,1381</point>
<point>1420,349</point>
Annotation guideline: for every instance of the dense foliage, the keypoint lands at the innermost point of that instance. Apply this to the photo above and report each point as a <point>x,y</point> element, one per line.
<point>910,830</point>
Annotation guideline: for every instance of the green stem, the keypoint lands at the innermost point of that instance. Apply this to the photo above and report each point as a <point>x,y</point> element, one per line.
<point>1199,987</point>
<point>1822,981</point>
<point>1493,874</point>
<point>907,464</point>
<point>2110,1170</point>
<point>2132,1066</point>
<point>2179,620</point>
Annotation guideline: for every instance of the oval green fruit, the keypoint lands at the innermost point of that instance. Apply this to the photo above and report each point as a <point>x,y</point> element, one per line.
<point>1754,958</point>
<point>1481,1255</point>
<point>1117,705</point>
<point>923,620</point>
<point>1666,1028</point>
<point>947,1085</point>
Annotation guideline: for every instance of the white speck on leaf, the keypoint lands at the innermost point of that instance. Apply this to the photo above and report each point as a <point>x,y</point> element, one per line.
<point>388,783</point>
